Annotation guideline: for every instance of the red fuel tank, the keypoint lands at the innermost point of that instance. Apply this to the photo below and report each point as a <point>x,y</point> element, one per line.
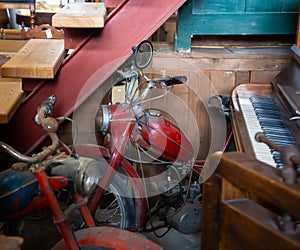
<point>164,139</point>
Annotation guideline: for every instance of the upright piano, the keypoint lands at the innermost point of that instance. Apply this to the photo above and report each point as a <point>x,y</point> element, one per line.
<point>271,108</point>
<point>247,204</point>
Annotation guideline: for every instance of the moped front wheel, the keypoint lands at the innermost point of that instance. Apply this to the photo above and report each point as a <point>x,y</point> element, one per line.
<point>116,208</point>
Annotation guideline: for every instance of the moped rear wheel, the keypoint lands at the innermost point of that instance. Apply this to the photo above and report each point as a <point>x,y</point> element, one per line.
<point>116,208</point>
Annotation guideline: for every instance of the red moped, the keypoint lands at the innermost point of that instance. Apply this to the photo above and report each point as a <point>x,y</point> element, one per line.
<point>133,137</point>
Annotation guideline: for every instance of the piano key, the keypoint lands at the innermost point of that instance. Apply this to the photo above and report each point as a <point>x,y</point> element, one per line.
<point>272,125</point>
<point>262,151</point>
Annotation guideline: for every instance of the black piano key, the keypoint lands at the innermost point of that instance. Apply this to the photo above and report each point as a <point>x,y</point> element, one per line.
<point>272,125</point>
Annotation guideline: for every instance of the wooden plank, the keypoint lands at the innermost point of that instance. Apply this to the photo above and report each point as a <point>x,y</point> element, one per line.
<point>11,46</point>
<point>298,31</point>
<point>263,75</point>
<point>39,58</point>
<point>242,76</point>
<point>10,96</point>
<point>247,225</point>
<point>211,215</point>
<point>80,15</point>
<point>222,80</point>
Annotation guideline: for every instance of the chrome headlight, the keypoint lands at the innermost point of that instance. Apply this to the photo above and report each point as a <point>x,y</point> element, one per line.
<point>87,176</point>
<point>83,172</point>
<point>103,118</point>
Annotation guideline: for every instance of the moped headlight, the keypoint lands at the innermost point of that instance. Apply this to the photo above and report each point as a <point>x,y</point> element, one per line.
<point>83,172</point>
<point>103,118</point>
<point>87,176</point>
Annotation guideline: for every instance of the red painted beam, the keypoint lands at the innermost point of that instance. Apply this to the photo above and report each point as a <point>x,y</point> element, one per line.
<point>92,62</point>
<point>112,3</point>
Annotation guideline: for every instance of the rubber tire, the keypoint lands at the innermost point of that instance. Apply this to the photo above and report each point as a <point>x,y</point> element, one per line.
<point>123,195</point>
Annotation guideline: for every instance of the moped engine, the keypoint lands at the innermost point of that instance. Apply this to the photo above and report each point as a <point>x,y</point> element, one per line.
<point>185,217</point>
<point>186,220</point>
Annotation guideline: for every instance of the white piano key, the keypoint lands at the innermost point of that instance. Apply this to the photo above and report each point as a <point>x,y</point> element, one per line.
<point>261,150</point>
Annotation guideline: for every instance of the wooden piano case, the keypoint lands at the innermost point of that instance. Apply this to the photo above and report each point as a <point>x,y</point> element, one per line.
<point>246,205</point>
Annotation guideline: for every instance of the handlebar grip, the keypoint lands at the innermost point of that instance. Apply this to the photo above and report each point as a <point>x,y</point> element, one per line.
<point>174,80</point>
<point>48,104</point>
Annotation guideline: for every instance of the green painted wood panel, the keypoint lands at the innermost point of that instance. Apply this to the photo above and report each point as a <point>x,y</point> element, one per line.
<point>234,17</point>
<point>217,6</point>
<point>248,24</point>
<point>289,6</point>
<point>263,6</point>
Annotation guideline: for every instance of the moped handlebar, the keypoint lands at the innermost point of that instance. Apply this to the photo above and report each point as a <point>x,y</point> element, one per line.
<point>133,77</point>
<point>166,81</point>
<point>49,124</point>
<point>45,109</point>
<point>169,81</point>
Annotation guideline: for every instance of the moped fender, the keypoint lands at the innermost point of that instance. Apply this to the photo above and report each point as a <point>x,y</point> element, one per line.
<point>110,238</point>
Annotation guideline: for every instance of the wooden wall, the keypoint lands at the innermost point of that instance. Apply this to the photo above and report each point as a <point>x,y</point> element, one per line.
<point>210,72</point>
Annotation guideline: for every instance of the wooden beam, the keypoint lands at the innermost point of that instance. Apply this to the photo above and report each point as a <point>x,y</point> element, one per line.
<point>298,31</point>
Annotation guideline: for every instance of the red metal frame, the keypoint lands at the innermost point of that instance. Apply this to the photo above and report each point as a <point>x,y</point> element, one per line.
<point>120,139</point>
<point>87,68</point>
<point>85,212</point>
<point>58,215</point>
